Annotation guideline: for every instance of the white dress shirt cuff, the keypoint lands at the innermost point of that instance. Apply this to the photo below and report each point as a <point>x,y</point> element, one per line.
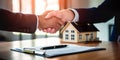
<point>76,18</point>
<point>37,22</point>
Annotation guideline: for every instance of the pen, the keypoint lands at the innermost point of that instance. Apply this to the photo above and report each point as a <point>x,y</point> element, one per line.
<point>53,47</point>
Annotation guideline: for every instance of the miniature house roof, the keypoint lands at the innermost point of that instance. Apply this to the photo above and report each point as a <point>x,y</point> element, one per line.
<point>81,28</point>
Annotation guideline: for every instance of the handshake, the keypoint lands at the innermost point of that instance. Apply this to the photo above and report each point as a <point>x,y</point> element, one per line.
<point>52,21</point>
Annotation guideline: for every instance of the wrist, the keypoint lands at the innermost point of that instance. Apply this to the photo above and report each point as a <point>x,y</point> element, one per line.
<point>76,15</point>
<point>38,22</point>
<point>72,15</point>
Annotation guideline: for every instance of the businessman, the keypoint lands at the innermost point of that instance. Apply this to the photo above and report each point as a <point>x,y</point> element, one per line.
<point>104,12</point>
<point>27,23</point>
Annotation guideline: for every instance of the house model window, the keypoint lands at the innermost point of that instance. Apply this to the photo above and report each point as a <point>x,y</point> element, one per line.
<point>72,37</point>
<point>66,37</point>
<point>80,37</point>
<point>73,32</point>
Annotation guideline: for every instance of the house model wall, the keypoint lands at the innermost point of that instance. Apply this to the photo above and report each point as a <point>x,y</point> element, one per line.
<point>72,32</point>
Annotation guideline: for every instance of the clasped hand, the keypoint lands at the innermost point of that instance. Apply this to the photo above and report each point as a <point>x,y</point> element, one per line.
<point>51,21</point>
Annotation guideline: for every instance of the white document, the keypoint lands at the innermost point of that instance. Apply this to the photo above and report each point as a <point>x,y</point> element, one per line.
<point>70,49</point>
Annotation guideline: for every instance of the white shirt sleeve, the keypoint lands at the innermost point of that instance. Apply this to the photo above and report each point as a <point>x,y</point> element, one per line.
<point>37,22</point>
<point>76,18</point>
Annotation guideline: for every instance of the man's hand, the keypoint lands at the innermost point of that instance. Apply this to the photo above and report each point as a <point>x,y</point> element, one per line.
<point>52,24</point>
<point>65,15</point>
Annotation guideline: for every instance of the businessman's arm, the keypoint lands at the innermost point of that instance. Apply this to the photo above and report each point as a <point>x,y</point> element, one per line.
<point>102,13</point>
<point>27,23</point>
<point>88,15</point>
<point>17,22</point>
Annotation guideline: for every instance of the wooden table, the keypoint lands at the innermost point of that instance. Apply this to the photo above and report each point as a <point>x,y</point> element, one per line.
<point>112,51</point>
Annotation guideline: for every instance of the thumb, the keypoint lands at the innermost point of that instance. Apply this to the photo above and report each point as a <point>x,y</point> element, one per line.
<point>53,13</point>
<point>49,15</point>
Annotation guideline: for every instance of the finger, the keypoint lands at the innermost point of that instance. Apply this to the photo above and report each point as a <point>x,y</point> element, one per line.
<point>57,14</point>
<point>60,15</point>
<point>60,22</point>
<point>53,30</point>
<point>44,30</point>
<point>56,28</point>
<point>50,14</point>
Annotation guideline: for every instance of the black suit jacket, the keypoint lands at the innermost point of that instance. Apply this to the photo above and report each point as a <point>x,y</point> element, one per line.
<point>17,22</point>
<point>107,10</point>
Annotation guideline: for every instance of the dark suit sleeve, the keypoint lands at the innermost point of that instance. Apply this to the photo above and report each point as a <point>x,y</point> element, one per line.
<point>17,22</point>
<point>102,13</point>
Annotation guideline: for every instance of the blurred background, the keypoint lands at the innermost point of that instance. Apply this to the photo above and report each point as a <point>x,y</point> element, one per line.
<point>39,6</point>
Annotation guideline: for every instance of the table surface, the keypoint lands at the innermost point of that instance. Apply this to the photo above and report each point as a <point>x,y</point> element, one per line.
<point>112,51</point>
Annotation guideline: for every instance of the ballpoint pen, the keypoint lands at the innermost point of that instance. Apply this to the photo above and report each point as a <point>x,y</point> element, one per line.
<point>53,47</point>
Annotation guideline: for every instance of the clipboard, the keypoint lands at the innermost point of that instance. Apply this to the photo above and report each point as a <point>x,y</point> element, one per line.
<point>69,49</point>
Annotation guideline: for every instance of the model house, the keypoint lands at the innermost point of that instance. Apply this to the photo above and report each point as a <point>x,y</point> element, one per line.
<point>73,32</point>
